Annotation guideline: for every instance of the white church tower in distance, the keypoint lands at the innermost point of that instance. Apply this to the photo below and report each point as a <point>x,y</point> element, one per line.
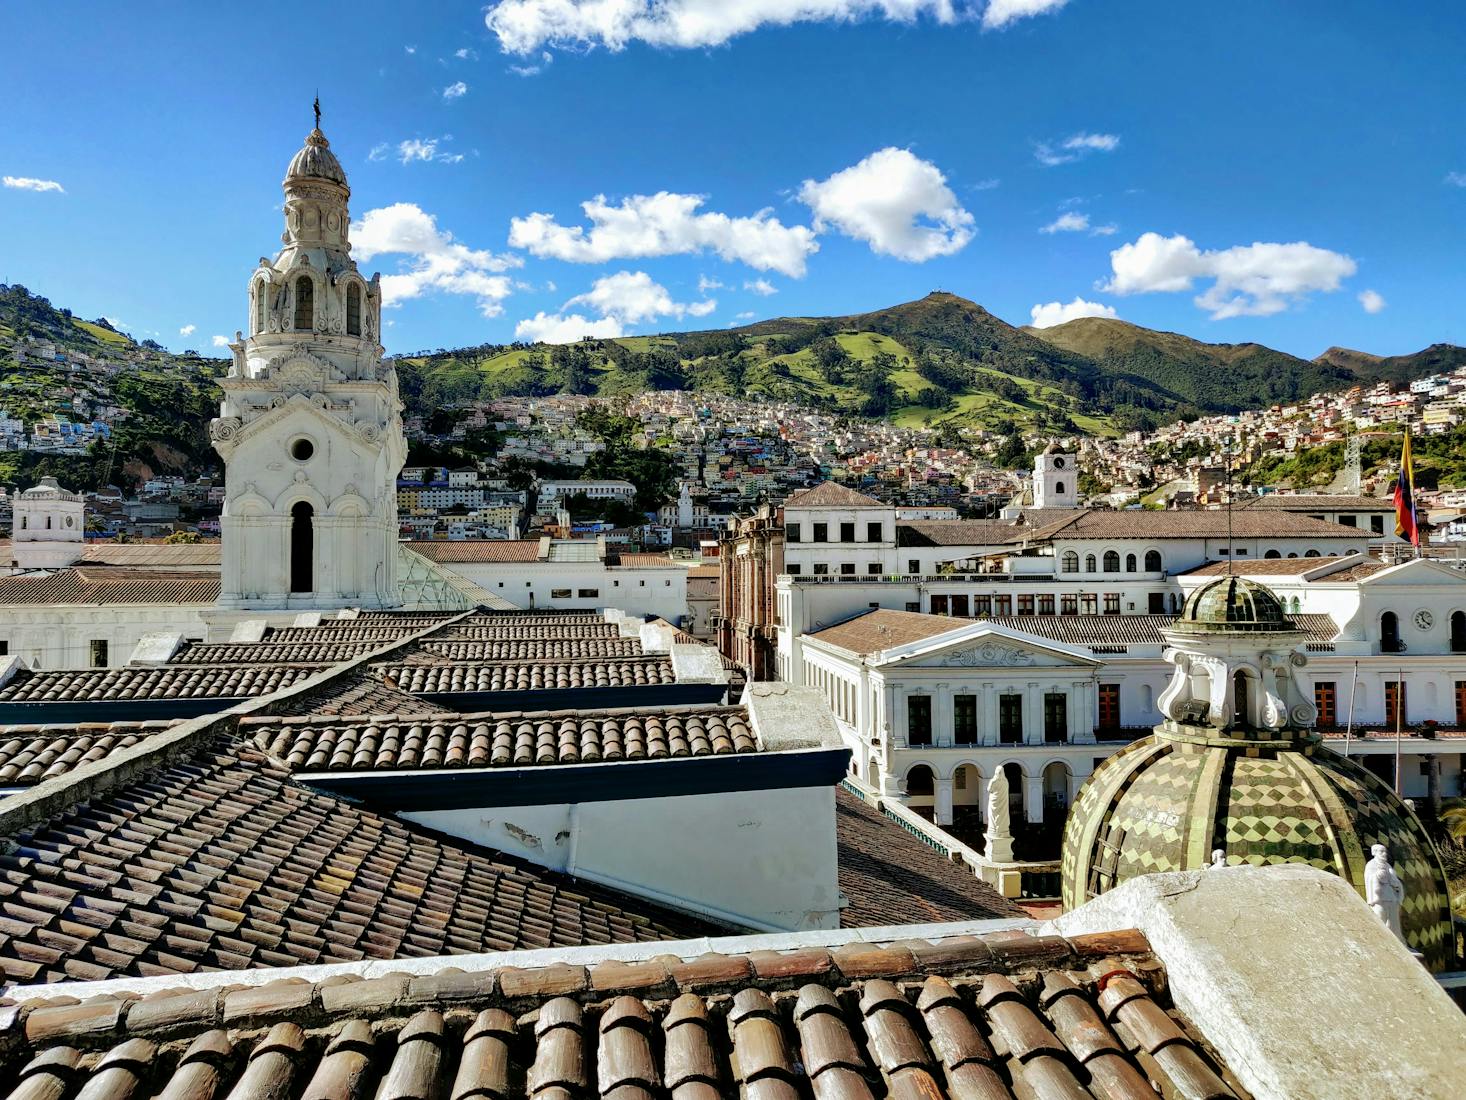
<point>1055,479</point>
<point>310,427</point>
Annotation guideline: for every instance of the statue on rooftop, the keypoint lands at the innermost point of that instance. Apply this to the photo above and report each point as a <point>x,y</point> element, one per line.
<point>1383,889</point>
<point>999,832</point>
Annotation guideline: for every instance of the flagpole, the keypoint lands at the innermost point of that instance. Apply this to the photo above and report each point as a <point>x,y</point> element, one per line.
<point>1399,716</point>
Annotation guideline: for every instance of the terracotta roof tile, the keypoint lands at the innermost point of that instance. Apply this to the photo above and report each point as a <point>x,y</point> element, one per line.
<point>891,877</point>
<point>84,585</point>
<point>29,754</point>
<point>268,652</point>
<point>515,739</point>
<point>491,550</point>
<point>1086,1017</point>
<point>158,555</point>
<point>539,675</point>
<point>219,861</point>
<point>875,630</point>
<point>1142,523</point>
<point>828,494</point>
<point>163,682</point>
<point>1273,567</point>
<point>1320,502</point>
<point>534,649</point>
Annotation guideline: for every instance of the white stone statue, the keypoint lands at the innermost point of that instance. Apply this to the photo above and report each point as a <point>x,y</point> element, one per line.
<point>1218,858</point>
<point>999,833</point>
<point>1383,889</point>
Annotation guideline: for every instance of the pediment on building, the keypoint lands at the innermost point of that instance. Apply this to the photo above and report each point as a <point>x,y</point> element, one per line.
<point>1420,573</point>
<point>228,433</point>
<point>300,372</point>
<point>990,647</point>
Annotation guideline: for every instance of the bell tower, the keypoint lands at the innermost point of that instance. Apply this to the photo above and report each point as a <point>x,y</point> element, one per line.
<point>310,427</point>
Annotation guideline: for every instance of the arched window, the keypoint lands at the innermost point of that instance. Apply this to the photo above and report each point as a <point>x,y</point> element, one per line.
<point>302,548</point>
<point>305,304</point>
<point>1058,488</point>
<point>25,522</point>
<point>48,523</point>
<point>1311,554</point>
<point>1089,563</point>
<point>1292,553</point>
<point>1272,554</point>
<point>1112,562</point>
<point>1152,561</point>
<point>1130,564</point>
<point>259,308</point>
<point>1458,631</point>
<point>1389,633</point>
<point>920,781</point>
<point>353,310</point>
<point>1240,710</point>
<point>1069,563</point>
<point>1297,606</point>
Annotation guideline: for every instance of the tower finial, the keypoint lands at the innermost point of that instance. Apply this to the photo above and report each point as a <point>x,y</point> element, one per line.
<point>317,107</point>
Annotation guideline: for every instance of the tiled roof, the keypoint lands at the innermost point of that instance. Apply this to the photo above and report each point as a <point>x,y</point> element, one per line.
<point>158,555</point>
<point>506,633</point>
<point>1267,567</point>
<point>363,692</point>
<point>891,877</point>
<point>961,532</point>
<point>988,1017</point>
<point>102,585</point>
<point>221,862</point>
<point>267,652</point>
<point>827,494</point>
<point>380,635</point>
<point>163,682</point>
<point>881,628</point>
<point>501,740</point>
<point>1365,567</point>
<point>1320,502</point>
<point>531,676</point>
<point>29,754</point>
<point>643,561</point>
<point>536,649</point>
<point>1141,523</point>
<point>489,550</point>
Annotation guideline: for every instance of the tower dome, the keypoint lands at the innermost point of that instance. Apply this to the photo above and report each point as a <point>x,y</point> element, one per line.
<point>1233,767</point>
<point>315,159</point>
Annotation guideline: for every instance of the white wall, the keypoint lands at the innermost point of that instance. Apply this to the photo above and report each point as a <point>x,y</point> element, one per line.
<point>60,636</point>
<point>658,591</point>
<point>757,859</point>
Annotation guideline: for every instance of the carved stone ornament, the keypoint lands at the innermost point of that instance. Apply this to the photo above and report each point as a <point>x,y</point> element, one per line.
<point>299,372</point>
<point>988,654</point>
<point>368,431</point>
<point>223,429</point>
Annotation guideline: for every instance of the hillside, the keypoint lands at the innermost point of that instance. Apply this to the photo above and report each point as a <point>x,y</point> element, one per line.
<point>1216,378</point>
<point>94,371</point>
<point>1398,369</point>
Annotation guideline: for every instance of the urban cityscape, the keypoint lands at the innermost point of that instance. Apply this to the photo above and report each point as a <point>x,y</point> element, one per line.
<point>669,652</point>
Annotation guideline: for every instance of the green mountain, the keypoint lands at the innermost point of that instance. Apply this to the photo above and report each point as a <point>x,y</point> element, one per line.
<point>94,369</point>
<point>1397,369</point>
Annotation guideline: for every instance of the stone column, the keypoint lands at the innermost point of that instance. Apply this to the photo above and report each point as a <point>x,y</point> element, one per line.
<point>1033,798</point>
<point>988,732</point>
<point>1084,696</point>
<point>1033,713</point>
<point>942,717</point>
<point>898,717</point>
<point>943,801</point>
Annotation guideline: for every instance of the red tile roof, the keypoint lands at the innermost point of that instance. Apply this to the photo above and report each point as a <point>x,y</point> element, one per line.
<point>827,494</point>
<point>511,739</point>
<point>486,550</point>
<point>160,682</point>
<point>29,754</point>
<point>219,861</point>
<point>105,586</point>
<point>540,675</point>
<point>989,1017</point>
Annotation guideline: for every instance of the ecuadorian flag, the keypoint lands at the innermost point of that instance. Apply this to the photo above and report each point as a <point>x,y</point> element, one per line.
<point>1405,525</point>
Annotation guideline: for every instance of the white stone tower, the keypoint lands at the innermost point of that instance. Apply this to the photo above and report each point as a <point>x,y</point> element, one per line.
<point>310,428</point>
<point>47,525</point>
<point>1055,479</point>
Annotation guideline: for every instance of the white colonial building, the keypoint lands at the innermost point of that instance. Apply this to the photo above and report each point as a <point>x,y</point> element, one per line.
<point>47,527</point>
<point>310,427</point>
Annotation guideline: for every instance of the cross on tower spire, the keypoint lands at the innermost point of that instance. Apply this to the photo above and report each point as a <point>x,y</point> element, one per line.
<point>317,107</point>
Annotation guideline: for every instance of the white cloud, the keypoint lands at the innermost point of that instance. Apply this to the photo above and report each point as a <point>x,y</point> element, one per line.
<point>1455,179</point>
<point>761,287</point>
<point>434,260</point>
<point>466,54</point>
<point>1249,280</point>
<point>985,185</point>
<point>26,183</point>
<point>1050,314</point>
<point>548,328</point>
<point>630,295</point>
<point>410,49</point>
<point>897,202</point>
<point>704,284</point>
<point>1000,13</point>
<point>1074,147</point>
<point>1068,222</point>
<point>188,330</point>
<point>418,149</point>
<point>534,70</point>
<point>1104,230</point>
<point>747,315</point>
<point>524,26</point>
<point>1372,301</point>
<point>666,224</point>
<point>456,90</point>
<point>220,341</point>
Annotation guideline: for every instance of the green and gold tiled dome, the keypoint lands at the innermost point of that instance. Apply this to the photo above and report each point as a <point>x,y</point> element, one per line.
<point>1166,802</point>
<point>1261,795</point>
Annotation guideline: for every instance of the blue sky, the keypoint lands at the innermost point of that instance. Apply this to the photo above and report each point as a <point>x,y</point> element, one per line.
<point>1291,173</point>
